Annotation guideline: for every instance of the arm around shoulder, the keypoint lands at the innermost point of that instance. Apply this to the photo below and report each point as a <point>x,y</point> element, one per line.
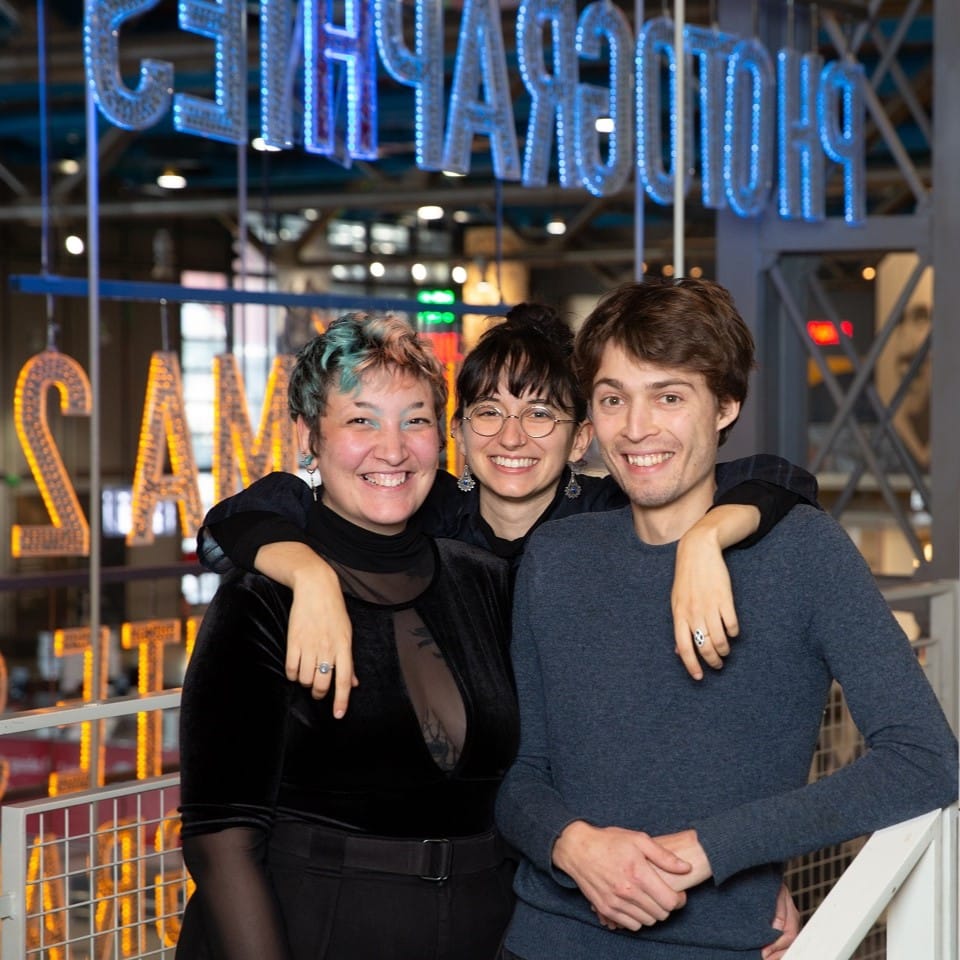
<point>770,469</point>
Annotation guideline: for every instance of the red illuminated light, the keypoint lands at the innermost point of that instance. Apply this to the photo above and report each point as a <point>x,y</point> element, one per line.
<point>824,332</point>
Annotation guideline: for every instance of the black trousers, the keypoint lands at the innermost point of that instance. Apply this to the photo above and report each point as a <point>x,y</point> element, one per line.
<point>335,912</point>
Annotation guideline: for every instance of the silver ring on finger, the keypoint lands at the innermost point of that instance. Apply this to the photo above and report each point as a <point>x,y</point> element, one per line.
<point>700,637</point>
<point>324,667</point>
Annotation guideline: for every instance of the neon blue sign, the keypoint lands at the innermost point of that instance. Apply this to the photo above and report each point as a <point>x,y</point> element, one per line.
<point>760,119</point>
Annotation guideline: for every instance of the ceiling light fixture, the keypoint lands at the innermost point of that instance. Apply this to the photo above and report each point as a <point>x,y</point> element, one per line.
<point>68,166</point>
<point>74,244</point>
<point>453,173</point>
<point>430,211</point>
<point>556,227</point>
<point>459,274</point>
<point>377,269</point>
<point>419,272</point>
<point>171,180</point>
<point>604,125</point>
<point>261,145</point>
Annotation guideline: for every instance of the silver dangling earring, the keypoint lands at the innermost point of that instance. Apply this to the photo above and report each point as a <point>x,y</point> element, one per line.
<point>572,490</point>
<point>313,482</point>
<point>466,482</point>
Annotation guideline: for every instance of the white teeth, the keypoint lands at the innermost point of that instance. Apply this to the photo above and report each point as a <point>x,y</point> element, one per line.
<point>386,479</point>
<point>647,459</point>
<point>514,462</point>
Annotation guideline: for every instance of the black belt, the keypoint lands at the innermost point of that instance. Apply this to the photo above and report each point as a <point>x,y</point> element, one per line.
<point>429,859</point>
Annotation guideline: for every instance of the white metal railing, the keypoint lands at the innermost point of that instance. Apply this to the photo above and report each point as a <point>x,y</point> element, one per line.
<point>44,718</point>
<point>940,647</point>
<point>909,870</point>
<point>94,874</point>
<point>99,874</point>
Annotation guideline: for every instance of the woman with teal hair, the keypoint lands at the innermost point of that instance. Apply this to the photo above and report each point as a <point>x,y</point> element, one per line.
<point>370,836</point>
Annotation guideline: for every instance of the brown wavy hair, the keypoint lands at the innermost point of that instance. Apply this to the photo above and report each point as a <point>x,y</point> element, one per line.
<point>686,323</point>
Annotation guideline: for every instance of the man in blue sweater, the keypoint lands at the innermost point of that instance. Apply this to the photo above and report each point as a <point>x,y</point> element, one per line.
<point>654,812</point>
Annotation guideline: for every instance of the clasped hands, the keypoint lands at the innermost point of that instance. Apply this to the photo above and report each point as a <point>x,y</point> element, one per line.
<point>633,880</point>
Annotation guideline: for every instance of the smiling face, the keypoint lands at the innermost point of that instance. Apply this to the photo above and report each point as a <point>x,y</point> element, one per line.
<point>657,428</point>
<point>512,466</point>
<point>378,449</point>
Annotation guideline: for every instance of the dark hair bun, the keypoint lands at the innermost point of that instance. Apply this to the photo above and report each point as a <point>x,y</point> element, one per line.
<point>542,319</point>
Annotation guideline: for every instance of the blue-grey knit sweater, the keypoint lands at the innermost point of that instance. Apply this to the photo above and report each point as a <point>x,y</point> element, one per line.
<point>614,732</point>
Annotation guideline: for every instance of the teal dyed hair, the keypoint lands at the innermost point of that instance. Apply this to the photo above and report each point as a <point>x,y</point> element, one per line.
<point>350,347</point>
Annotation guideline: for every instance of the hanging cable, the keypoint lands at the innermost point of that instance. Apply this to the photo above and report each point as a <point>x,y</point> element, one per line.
<point>45,258</point>
<point>242,228</point>
<point>679,145</point>
<point>164,326</point>
<point>498,241</point>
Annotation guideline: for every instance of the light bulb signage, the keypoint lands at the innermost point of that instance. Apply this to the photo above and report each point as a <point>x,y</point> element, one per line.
<point>760,117</point>
<point>240,452</point>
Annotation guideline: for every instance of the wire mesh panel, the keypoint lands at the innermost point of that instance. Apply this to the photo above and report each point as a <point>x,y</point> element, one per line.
<point>928,614</point>
<point>811,877</point>
<point>102,874</point>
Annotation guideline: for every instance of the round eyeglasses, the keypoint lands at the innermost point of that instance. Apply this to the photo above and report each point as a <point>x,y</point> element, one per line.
<point>537,421</point>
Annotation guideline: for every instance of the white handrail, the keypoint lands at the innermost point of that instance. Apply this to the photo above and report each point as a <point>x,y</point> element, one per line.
<point>882,874</point>
<point>26,721</point>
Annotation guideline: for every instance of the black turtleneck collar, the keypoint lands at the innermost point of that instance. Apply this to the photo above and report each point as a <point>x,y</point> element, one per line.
<point>511,549</point>
<point>362,549</point>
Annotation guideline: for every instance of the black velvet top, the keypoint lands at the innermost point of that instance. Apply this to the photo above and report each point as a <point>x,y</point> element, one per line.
<point>255,745</point>
<point>420,753</point>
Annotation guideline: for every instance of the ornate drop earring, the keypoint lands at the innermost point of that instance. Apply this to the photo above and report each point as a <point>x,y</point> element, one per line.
<point>303,462</point>
<point>466,482</point>
<point>572,490</point>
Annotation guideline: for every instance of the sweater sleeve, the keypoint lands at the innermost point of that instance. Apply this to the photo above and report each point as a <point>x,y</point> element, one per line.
<point>530,811</point>
<point>910,764</point>
<point>236,540</point>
